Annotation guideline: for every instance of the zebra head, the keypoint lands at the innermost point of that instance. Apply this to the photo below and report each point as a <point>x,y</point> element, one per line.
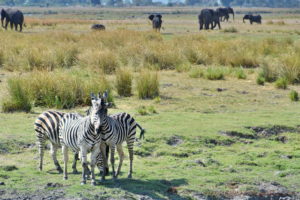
<point>94,110</point>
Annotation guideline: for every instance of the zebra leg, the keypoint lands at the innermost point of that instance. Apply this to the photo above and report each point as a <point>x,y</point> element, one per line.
<point>76,157</point>
<point>103,153</point>
<point>94,154</point>
<point>53,150</point>
<point>84,164</point>
<point>121,157</point>
<point>41,145</point>
<point>130,142</point>
<point>112,160</point>
<point>66,158</point>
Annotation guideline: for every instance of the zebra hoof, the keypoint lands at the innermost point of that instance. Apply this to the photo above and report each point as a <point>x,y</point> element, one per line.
<point>83,183</point>
<point>75,171</point>
<point>65,178</point>
<point>93,183</point>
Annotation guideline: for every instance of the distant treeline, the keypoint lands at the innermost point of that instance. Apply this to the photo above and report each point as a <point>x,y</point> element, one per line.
<point>243,3</point>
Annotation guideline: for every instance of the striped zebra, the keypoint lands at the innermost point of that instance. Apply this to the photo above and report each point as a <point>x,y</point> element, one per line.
<point>46,128</point>
<point>80,134</point>
<point>115,129</point>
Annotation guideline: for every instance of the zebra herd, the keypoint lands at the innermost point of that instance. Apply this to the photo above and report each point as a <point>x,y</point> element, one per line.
<point>96,133</point>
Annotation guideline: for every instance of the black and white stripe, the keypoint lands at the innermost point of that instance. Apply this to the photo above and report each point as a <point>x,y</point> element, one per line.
<point>79,134</point>
<point>115,129</point>
<point>46,128</point>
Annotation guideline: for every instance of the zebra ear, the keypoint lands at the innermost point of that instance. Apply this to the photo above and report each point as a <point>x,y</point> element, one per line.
<point>105,95</point>
<point>99,95</point>
<point>93,96</point>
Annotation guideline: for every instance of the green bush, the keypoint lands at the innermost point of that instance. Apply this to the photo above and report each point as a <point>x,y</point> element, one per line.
<point>260,80</point>
<point>281,83</point>
<point>142,110</point>
<point>57,89</point>
<point>240,74</point>
<point>19,100</point>
<point>148,85</point>
<point>294,95</point>
<point>196,72</point>
<point>214,74</point>
<point>123,82</point>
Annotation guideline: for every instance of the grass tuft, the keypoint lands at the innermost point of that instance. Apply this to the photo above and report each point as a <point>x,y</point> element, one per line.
<point>148,85</point>
<point>124,82</point>
<point>230,30</point>
<point>214,74</point>
<point>281,83</point>
<point>294,95</point>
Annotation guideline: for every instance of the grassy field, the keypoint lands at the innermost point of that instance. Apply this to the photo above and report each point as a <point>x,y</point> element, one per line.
<point>213,132</point>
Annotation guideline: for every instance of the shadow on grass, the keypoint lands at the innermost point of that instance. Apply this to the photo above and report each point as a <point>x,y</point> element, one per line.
<point>153,188</point>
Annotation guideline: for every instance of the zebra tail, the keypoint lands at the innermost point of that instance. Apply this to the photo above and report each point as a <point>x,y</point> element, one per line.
<point>142,134</point>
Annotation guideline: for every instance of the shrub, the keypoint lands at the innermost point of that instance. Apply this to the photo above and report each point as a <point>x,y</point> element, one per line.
<point>148,85</point>
<point>123,82</point>
<point>230,30</point>
<point>142,110</point>
<point>214,74</point>
<point>281,83</point>
<point>60,90</point>
<point>294,95</point>
<point>152,109</point>
<point>196,72</point>
<point>19,100</point>
<point>184,67</point>
<point>240,74</point>
<point>260,80</point>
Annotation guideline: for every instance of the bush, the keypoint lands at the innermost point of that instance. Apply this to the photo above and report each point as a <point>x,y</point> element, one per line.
<point>123,82</point>
<point>142,110</point>
<point>281,83</point>
<point>294,96</point>
<point>240,74</point>
<point>196,72</point>
<point>230,30</point>
<point>184,67</point>
<point>214,74</point>
<point>260,80</point>
<point>19,100</point>
<point>60,90</point>
<point>148,85</point>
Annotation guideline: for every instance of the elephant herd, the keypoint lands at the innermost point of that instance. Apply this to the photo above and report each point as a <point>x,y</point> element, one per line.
<point>208,18</point>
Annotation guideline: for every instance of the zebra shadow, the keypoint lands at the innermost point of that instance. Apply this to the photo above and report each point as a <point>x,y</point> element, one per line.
<point>153,188</point>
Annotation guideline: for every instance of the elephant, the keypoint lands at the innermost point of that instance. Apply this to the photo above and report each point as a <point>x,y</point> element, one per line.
<point>224,12</point>
<point>98,27</point>
<point>12,16</point>
<point>253,18</point>
<point>209,17</point>
<point>156,21</point>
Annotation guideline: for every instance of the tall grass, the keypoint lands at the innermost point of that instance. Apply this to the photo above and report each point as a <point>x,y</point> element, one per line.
<point>55,89</point>
<point>18,100</point>
<point>147,85</point>
<point>124,82</point>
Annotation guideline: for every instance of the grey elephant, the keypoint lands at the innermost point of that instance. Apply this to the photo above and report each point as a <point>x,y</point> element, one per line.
<point>253,18</point>
<point>224,12</point>
<point>209,17</point>
<point>98,27</point>
<point>156,21</point>
<point>14,17</point>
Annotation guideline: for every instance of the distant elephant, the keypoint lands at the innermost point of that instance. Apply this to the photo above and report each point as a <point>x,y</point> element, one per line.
<point>12,16</point>
<point>156,21</point>
<point>209,17</point>
<point>253,18</point>
<point>224,12</point>
<point>98,27</point>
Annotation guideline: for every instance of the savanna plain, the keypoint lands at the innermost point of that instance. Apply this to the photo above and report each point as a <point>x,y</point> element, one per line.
<point>220,107</point>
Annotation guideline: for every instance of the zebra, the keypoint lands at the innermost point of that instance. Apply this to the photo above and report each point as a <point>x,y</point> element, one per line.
<point>80,134</point>
<point>115,129</point>
<point>46,128</point>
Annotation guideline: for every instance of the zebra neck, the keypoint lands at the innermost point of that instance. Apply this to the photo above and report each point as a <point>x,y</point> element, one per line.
<point>106,125</point>
<point>89,127</point>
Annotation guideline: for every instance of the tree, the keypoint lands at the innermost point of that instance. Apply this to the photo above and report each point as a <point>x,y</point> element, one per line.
<point>96,2</point>
<point>226,2</point>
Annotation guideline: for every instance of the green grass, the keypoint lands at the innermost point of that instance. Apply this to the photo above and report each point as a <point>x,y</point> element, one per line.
<point>197,101</point>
